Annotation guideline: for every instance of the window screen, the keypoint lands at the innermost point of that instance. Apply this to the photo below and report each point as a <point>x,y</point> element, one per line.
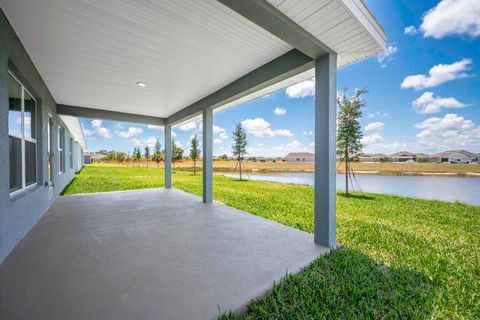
<point>61,149</point>
<point>70,149</point>
<point>15,163</point>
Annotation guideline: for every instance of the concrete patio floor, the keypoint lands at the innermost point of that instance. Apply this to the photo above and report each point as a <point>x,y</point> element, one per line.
<point>146,254</point>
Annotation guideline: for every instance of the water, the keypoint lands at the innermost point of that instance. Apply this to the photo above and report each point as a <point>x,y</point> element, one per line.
<point>466,190</point>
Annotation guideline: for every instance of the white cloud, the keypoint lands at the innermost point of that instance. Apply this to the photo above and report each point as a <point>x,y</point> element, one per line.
<point>261,128</point>
<point>150,142</point>
<point>308,133</point>
<point>98,130</point>
<point>410,30</point>
<point>428,103</point>
<point>191,126</point>
<point>437,75</point>
<point>295,145</point>
<point>283,133</point>
<point>302,89</point>
<point>387,56</point>
<point>217,141</point>
<point>135,142</point>
<point>132,132</point>
<point>96,123</point>
<point>222,133</point>
<point>374,126</point>
<point>374,138</point>
<point>280,111</point>
<point>88,132</point>
<point>375,143</point>
<point>452,17</point>
<point>378,114</point>
<point>388,148</point>
<point>196,126</point>
<point>450,132</point>
<point>156,128</point>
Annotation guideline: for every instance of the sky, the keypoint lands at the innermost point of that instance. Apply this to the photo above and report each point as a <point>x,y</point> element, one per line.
<point>423,93</point>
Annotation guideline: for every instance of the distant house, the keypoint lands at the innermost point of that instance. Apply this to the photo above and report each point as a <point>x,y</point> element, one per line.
<point>97,157</point>
<point>402,156</point>
<point>423,157</point>
<point>300,157</point>
<point>87,158</point>
<point>376,157</point>
<point>455,156</point>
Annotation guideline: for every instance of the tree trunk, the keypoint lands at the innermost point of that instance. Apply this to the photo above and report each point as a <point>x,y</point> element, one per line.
<point>194,167</point>
<point>240,162</point>
<point>346,169</point>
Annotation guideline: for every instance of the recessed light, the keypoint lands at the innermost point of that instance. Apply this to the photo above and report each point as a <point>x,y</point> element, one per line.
<point>141,84</point>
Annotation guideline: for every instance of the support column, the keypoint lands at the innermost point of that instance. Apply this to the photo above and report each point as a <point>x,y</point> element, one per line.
<point>207,137</point>
<point>325,150</point>
<point>168,157</point>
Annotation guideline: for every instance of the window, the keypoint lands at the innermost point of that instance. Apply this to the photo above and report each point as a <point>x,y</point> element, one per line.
<point>70,149</point>
<point>22,136</point>
<point>61,149</point>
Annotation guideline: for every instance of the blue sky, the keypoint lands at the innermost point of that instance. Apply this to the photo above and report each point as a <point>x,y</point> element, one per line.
<point>424,92</point>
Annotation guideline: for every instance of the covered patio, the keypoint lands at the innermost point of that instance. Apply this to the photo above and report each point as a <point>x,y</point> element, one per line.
<point>149,254</point>
<point>160,253</point>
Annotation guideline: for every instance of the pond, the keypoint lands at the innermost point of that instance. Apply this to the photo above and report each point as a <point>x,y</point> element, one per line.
<point>466,190</point>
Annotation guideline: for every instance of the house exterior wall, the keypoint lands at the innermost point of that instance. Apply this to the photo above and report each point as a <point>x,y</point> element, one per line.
<point>87,159</point>
<point>457,159</point>
<point>77,156</point>
<point>403,159</point>
<point>20,212</point>
<point>370,159</point>
<point>300,157</point>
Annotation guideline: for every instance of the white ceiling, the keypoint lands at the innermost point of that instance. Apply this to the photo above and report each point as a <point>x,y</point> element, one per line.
<point>92,53</point>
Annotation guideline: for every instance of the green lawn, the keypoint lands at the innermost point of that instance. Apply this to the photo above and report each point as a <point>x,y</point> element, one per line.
<point>401,257</point>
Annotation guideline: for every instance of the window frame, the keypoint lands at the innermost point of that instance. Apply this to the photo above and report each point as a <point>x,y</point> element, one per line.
<point>70,149</point>
<point>25,187</point>
<point>61,151</point>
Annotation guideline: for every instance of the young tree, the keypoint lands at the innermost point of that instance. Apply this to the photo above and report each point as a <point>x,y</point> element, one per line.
<point>120,156</point>
<point>239,146</point>
<point>134,156</point>
<point>349,132</point>
<point>194,152</point>
<point>146,154</point>
<point>137,155</point>
<point>157,153</point>
<point>177,153</point>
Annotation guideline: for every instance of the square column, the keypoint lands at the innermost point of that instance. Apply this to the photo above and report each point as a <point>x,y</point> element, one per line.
<point>207,167</point>
<point>325,150</point>
<point>168,157</point>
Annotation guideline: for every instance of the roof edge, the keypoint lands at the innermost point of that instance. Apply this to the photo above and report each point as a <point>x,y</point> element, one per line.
<point>365,17</point>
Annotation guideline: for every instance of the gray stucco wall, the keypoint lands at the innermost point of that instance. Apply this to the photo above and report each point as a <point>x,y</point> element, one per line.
<point>19,214</point>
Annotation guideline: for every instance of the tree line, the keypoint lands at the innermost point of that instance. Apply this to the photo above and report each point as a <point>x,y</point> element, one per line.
<point>139,155</point>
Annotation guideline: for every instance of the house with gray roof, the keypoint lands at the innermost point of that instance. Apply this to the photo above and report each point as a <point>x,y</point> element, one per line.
<point>455,156</point>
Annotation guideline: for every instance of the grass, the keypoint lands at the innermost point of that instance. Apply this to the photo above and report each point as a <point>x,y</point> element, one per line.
<point>401,257</point>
